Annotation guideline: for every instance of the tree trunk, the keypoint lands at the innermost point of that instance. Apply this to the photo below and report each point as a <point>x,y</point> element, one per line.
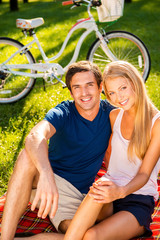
<point>25,1</point>
<point>13,5</point>
<point>128,1</point>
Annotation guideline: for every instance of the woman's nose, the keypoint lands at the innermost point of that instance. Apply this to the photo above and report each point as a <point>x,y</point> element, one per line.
<point>119,96</point>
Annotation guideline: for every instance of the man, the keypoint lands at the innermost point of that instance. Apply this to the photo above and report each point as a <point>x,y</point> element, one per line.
<point>78,132</point>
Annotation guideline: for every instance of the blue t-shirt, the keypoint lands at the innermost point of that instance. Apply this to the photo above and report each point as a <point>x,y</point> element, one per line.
<point>77,148</point>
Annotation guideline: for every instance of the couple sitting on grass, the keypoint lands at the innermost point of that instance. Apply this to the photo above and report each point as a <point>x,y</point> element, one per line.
<point>59,178</point>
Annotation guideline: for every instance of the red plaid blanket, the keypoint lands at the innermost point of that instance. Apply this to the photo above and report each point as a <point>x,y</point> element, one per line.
<point>29,224</point>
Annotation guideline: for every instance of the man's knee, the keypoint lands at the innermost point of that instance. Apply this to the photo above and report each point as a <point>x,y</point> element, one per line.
<point>63,226</point>
<point>25,163</point>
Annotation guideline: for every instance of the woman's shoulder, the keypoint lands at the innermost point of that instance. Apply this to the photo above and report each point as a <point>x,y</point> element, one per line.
<point>113,115</point>
<point>156,123</point>
<point>156,119</point>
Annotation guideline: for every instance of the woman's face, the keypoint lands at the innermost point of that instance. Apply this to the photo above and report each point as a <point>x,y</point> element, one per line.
<point>121,92</point>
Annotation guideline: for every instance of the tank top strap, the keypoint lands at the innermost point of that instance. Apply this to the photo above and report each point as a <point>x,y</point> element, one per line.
<point>118,120</point>
<point>155,118</point>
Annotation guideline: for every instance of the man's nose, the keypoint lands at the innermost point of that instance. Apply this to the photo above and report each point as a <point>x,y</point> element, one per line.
<point>84,91</point>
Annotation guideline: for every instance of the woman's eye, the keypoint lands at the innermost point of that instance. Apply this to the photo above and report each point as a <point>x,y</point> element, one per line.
<point>123,88</point>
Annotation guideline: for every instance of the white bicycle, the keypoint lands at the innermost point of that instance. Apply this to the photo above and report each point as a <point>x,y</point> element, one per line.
<point>19,70</point>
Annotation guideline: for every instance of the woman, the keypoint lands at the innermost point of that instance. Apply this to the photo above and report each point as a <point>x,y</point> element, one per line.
<point>122,201</point>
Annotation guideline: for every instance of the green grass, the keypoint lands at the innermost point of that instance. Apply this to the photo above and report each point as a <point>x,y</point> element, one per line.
<point>141,17</point>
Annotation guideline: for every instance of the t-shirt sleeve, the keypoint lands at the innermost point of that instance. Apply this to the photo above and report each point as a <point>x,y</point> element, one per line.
<point>56,116</point>
<point>108,106</point>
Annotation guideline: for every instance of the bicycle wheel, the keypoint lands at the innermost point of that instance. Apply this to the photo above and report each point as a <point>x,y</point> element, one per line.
<point>14,87</point>
<point>125,46</point>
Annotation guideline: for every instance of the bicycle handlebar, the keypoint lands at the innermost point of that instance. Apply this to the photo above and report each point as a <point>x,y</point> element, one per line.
<point>77,3</point>
<point>67,3</point>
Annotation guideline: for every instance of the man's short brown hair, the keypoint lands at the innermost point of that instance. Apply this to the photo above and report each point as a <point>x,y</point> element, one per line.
<point>83,66</point>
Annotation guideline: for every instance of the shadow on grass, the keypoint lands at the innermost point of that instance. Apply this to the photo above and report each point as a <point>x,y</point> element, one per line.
<point>143,22</point>
<point>7,166</point>
<point>141,18</point>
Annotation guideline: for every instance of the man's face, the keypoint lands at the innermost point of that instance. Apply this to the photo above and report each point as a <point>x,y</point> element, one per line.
<point>85,92</point>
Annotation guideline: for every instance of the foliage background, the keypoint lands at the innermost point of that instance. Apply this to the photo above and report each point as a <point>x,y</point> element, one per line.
<point>141,17</point>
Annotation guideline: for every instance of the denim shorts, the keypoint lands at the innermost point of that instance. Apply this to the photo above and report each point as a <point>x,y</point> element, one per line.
<point>141,206</point>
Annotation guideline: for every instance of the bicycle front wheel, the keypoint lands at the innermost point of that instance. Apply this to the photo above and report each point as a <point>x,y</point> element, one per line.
<point>124,46</point>
<point>14,87</point>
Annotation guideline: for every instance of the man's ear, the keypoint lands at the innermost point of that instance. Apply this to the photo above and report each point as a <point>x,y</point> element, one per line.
<point>101,87</point>
<point>71,93</point>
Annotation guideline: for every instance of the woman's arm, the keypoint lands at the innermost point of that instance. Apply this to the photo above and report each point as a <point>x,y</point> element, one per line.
<point>148,163</point>
<point>113,115</point>
<point>107,153</point>
<point>107,191</point>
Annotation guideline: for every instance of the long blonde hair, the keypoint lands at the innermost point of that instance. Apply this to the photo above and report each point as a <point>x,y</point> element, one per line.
<point>140,138</point>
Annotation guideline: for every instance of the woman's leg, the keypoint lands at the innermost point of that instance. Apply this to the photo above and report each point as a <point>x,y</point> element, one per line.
<point>122,226</point>
<point>84,218</point>
<point>106,211</point>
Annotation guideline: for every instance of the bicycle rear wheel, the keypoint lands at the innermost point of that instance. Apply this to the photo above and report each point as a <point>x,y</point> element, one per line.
<point>14,87</point>
<point>125,46</point>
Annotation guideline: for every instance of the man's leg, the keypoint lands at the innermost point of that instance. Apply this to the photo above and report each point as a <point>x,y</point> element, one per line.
<point>63,226</point>
<point>43,236</point>
<point>69,200</point>
<point>18,195</point>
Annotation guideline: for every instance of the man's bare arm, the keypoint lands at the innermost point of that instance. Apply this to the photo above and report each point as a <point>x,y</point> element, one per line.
<point>36,145</point>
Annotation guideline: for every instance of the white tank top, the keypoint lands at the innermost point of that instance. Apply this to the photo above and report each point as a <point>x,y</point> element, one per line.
<point>120,170</point>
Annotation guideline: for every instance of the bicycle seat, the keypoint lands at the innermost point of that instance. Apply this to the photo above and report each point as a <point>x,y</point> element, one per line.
<point>29,23</point>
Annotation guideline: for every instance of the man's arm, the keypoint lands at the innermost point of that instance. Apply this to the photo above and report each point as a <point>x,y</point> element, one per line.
<point>36,146</point>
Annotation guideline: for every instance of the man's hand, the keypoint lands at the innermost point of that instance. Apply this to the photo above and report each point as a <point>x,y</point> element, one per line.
<point>47,194</point>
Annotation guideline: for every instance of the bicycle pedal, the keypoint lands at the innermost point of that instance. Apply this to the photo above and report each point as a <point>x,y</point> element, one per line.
<point>4,75</point>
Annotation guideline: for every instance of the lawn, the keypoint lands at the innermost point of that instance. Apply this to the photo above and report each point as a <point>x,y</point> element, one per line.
<point>141,17</point>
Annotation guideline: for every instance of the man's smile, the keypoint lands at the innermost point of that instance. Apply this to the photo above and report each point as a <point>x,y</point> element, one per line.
<point>86,99</point>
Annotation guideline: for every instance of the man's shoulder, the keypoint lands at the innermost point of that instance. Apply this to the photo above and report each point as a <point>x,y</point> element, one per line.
<point>63,106</point>
<point>67,103</point>
<point>58,115</point>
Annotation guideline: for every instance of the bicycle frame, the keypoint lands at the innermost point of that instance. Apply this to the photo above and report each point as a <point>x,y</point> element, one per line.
<point>52,70</point>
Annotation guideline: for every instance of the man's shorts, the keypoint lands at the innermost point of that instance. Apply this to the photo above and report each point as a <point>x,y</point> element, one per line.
<point>140,206</point>
<point>69,200</point>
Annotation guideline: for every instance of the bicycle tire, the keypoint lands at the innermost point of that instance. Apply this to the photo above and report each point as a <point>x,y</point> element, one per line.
<point>125,46</point>
<point>14,87</point>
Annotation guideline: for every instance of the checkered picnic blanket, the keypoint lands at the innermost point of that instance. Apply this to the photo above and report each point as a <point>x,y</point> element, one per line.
<point>29,224</point>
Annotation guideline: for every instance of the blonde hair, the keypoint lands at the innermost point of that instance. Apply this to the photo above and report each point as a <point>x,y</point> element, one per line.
<point>140,138</point>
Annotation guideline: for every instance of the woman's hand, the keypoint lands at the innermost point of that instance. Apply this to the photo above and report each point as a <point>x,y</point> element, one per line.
<point>105,191</point>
